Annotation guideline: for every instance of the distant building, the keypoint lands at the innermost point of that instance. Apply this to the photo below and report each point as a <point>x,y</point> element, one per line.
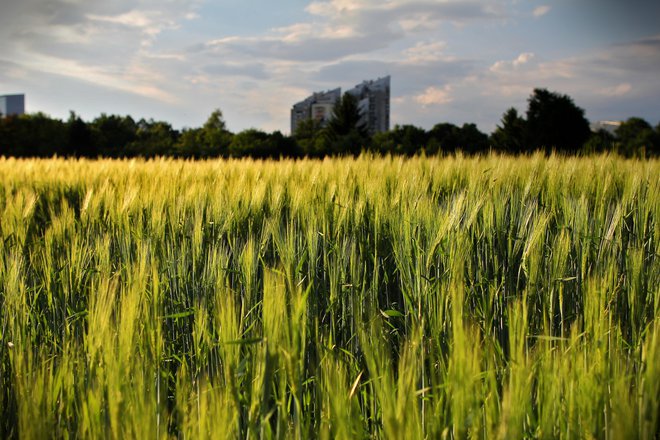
<point>12,105</point>
<point>609,126</point>
<point>318,107</point>
<point>373,99</point>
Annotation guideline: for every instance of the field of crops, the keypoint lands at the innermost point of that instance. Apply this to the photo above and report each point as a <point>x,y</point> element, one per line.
<point>492,297</point>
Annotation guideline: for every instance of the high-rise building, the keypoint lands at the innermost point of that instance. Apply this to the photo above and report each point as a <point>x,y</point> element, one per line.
<point>12,105</point>
<point>319,107</point>
<point>373,99</point>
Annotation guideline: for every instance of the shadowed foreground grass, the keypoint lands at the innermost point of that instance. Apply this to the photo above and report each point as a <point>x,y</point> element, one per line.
<point>493,297</point>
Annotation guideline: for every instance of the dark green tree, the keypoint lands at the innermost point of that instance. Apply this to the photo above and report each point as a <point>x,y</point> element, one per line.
<point>215,136</point>
<point>471,140</point>
<point>32,135</point>
<point>443,138</point>
<point>154,138</point>
<point>600,141</point>
<point>286,145</point>
<point>80,141</point>
<point>261,145</point>
<point>447,138</point>
<point>555,122</point>
<point>112,134</point>
<point>636,137</point>
<point>211,140</point>
<point>511,135</point>
<point>190,143</point>
<point>345,131</point>
<point>402,139</point>
<point>310,138</point>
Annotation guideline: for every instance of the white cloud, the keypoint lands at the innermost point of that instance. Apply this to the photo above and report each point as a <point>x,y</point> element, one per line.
<point>339,7</point>
<point>98,45</point>
<point>138,19</point>
<point>423,52</point>
<point>150,52</point>
<point>435,96</point>
<point>616,91</point>
<point>521,60</point>
<point>301,32</point>
<point>540,11</point>
<point>135,79</point>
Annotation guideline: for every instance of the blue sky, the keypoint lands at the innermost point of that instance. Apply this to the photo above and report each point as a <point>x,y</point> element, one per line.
<point>450,61</point>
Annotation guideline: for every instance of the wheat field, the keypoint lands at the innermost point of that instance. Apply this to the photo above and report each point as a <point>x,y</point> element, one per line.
<point>375,297</point>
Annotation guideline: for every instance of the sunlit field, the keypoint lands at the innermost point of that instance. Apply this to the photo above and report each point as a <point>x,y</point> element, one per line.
<point>492,297</point>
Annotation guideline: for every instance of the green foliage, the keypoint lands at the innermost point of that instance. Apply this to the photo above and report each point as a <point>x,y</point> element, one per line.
<point>448,138</point>
<point>555,122</point>
<point>471,140</point>
<point>511,135</point>
<point>376,297</point>
<point>80,142</point>
<point>211,140</point>
<point>32,135</point>
<point>346,132</point>
<point>402,139</point>
<point>599,142</point>
<point>111,133</point>
<point>259,144</point>
<point>636,137</point>
<point>153,138</point>
<point>310,138</point>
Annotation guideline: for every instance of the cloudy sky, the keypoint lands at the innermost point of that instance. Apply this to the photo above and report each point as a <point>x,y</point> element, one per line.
<point>450,60</point>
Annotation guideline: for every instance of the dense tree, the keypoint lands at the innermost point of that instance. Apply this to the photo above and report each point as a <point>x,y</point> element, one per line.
<point>471,140</point>
<point>286,145</point>
<point>555,122</point>
<point>636,137</point>
<point>346,133</point>
<point>154,138</point>
<point>599,141</point>
<point>190,144</point>
<point>402,139</point>
<point>211,140</point>
<point>310,138</point>
<point>443,138</point>
<point>511,135</point>
<point>32,135</point>
<point>216,138</point>
<point>447,138</point>
<point>112,134</point>
<point>80,143</point>
<point>259,144</point>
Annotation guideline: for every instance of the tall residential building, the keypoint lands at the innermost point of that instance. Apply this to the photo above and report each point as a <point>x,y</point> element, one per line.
<point>319,107</point>
<point>12,105</point>
<point>373,99</point>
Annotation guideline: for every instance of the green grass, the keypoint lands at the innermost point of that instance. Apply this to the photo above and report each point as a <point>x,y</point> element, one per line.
<point>491,297</point>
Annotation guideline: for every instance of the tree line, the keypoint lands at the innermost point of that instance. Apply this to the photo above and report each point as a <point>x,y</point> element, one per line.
<point>552,122</point>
